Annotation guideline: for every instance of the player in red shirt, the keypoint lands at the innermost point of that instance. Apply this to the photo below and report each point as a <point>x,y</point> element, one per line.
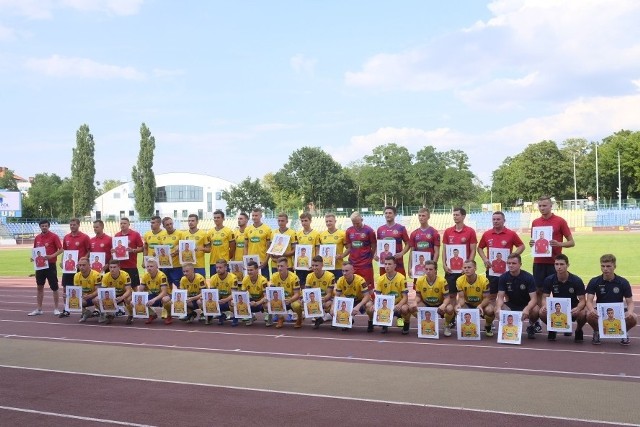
<point>498,265</point>
<point>459,234</point>
<point>101,242</point>
<point>75,240</point>
<point>397,232</point>
<point>425,238</point>
<point>53,247</point>
<point>542,245</point>
<point>136,245</point>
<point>69,263</point>
<point>361,245</point>
<point>456,262</point>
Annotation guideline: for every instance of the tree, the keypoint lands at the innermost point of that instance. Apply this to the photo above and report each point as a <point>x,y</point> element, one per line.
<point>8,181</point>
<point>246,196</point>
<point>49,197</point>
<point>108,185</point>
<point>385,174</point>
<point>144,179</point>
<point>83,172</point>
<point>283,199</point>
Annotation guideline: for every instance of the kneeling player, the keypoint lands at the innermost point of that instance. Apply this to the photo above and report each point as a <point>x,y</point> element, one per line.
<point>254,283</point>
<point>392,283</point>
<point>155,283</point>
<point>325,281</point>
<point>225,283</point>
<point>433,291</point>
<point>89,280</point>
<point>291,284</point>
<point>473,292</point>
<point>121,281</point>
<point>193,283</point>
<point>519,287</point>
<point>352,285</point>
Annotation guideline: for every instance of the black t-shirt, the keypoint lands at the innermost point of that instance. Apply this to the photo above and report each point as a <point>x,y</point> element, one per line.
<point>517,288</point>
<point>572,288</point>
<point>605,291</point>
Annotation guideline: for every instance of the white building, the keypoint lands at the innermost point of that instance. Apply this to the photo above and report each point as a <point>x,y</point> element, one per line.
<point>177,196</point>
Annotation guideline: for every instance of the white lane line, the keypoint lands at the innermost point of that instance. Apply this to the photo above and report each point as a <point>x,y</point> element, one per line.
<point>325,357</point>
<point>75,417</point>
<point>325,396</point>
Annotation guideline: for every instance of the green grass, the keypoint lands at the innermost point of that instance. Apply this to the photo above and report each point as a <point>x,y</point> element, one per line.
<point>584,257</point>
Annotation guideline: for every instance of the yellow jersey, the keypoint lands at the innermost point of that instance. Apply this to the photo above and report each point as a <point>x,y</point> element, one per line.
<point>152,240</point>
<point>396,286</point>
<point>338,238</point>
<point>342,317</point>
<point>173,240</point>
<point>431,294</point>
<point>311,238</point>
<point>558,320</point>
<point>89,282</point>
<point>383,315</point>
<point>154,284</point>
<point>224,286</point>
<point>242,309</point>
<point>276,305</point>
<point>609,327</point>
<point>241,241</point>
<point>324,282</point>
<point>194,286</point>
<point>473,292</point>
<point>510,332</point>
<point>255,289</point>
<point>120,283</point>
<point>257,240</point>
<point>428,327</point>
<point>211,306</point>
<point>74,303</point>
<point>313,307</point>
<point>291,283</point>
<point>356,289</point>
<point>201,239</point>
<point>292,241</point>
<point>220,242</point>
<point>469,330</point>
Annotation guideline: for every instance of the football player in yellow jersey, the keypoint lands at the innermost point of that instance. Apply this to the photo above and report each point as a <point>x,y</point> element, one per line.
<point>193,283</point>
<point>121,281</point>
<point>354,286</point>
<point>291,284</point>
<point>510,331</point>
<point>254,283</point>
<point>558,318</point>
<point>468,329</point>
<point>290,250</point>
<point>89,280</point>
<point>325,280</point>
<point>155,283</point>
<point>258,238</point>
<point>202,244</point>
<point>428,326</point>
<point>611,325</point>
<point>240,236</point>
<point>172,238</point>
<point>153,237</point>
<point>333,236</point>
<point>342,315</point>
<point>473,292</point>
<point>383,314</point>
<point>225,283</point>
<point>222,242</point>
<point>433,291</point>
<point>393,283</point>
<point>307,236</point>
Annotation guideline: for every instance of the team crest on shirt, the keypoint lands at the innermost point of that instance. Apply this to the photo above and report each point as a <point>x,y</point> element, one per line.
<point>102,245</point>
<point>77,243</point>
<point>504,243</point>
<point>259,231</point>
<point>616,290</point>
<point>523,287</point>
<point>436,290</point>
<point>478,289</point>
<point>571,290</point>
<point>429,235</point>
<point>363,236</point>
<point>395,232</point>
<point>464,240</point>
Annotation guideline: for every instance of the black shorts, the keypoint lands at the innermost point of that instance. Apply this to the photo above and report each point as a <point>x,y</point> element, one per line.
<point>541,272</point>
<point>513,307</point>
<point>67,279</point>
<point>493,284</point>
<point>48,275</point>
<point>451,281</point>
<point>135,276</point>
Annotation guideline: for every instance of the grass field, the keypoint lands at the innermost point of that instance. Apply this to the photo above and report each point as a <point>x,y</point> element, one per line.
<point>583,257</point>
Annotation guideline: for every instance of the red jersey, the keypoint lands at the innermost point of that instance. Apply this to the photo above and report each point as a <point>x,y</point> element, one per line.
<point>465,236</point>
<point>70,265</point>
<point>135,242</point>
<point>79,242</point>
<point>41,261</point>
<point>504,239</point>
<point>97,267</point>
<point>425,240</point>
<point>395,232</point>
<point>499,266</point>
<point>456,263</point>
<point>361,240</point>
<point>102,243</point>
<point>51,243</point>
<point>541,246</point>
<point>560,229</point>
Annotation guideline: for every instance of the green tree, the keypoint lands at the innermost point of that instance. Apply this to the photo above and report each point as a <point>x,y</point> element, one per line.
<point>49,197</point>
<point>627,143</point>
<point>144,179</point>
<point>83,172</point>
<point>108,185</point>
<point>247,195</point>
<point>425,177</point>
<point>8,181</point>
<point>283,199</point>
<point>385,176</point>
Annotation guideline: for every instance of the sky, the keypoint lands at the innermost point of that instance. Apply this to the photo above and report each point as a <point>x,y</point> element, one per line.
<point>231,89</point>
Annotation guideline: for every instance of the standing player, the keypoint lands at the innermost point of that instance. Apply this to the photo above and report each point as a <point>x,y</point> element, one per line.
<point>76,240</point>
<point>240,236</point>
<point>333,236</point>
<point>433,291</point>
<point>291,284</point>
<point>396,232</point>
<point>459,234</point>
<point>201,241</point>
<point>543,267</point>
<point>325,281</point>
<point>563,284</point>
<point>136,245</point>
<point>361,245</point>
<point>223,242</point>
<point>254,283</point>
<point>520,288</point>
<point>473,292</point>
<point>101,242</point>
<point>289,252</point>
<point>89,280</point>
<point>393,283</point>
<point>609,288</point>
<point>155,283</point>
<point>258,239</point>
<point>172,237</point>
<point>53,247</point>
<point>424,238</point>
<point>351,285</point>
<point>121,281</point>
<point>225,283</point>
<point>193,283</point>
<point>498,237</point>
<point>307,236</point>
<point>153,237</point>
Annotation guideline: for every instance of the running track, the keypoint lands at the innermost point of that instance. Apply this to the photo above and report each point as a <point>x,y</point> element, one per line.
<point>57,370</point>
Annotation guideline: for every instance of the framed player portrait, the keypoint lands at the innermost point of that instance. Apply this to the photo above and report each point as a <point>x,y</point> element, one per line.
<point>70,262</point>
<point>187,252</point>
<point>417,263</point>
<point>107,297</point>
<point>210,305</point>
<point>279,244</point>
<point>275,300</point>
<point>383,310</point>
<point>120,248</point>
<point>456,256</point>
<point>510,327</point>
<point>73,296</point>
<point>312,299</point>
<point>541,237</point>
<point>139,301</point>
<point>498,260</point>
<point>246,259</point>
<point>179,302</point>
<point>40,260</point>
<point>559,314</point>
<point>386,249</point>
<point>468,324</point>
<point>302,260</point>
<point>241,307</point>
<point>163,255</point>
<point>428,323</point>
<point>342,308</point>
<point>97,261</point>
<point>611,323</point>
<point>328,254</point>
<point>237,268</point>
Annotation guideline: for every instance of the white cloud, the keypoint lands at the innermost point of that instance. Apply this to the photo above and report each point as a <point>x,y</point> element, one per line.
<point>303,65</point>
<point>32,9</point>
<point>60,66</point>
<point>636,83</point>
<point>502,93</point>
<point>44,9</point>
<point>116,7</point>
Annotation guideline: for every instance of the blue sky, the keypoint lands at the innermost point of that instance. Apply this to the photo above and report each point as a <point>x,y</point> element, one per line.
<point>232,88</point>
